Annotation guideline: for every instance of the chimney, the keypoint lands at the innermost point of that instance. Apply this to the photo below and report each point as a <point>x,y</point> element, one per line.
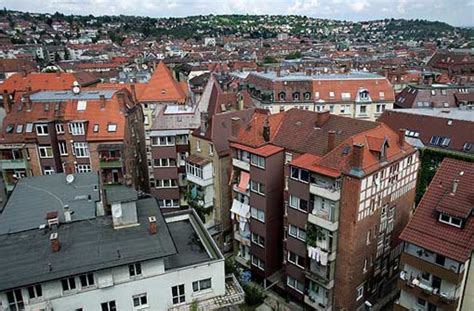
<point>134,93</point>
<point>455,186</point>
<point>308,72</point>
<point>321,119</point>
<point>331,140</point>
<point>102,101</point>
<point>67,214</point>
<point>357,155</point>
<point>401,137</point>
<point>278,71</point>
<point>152,225</point>
<point>266,130</point>
<point>121,98</point>
<point>55,246</point>
<point>27,100</point>
<point>204,122</point>
<point>6,101</point>
<point>235,126</point>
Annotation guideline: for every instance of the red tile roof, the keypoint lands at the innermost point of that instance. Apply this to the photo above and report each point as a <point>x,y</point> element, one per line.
<point>162,87</point>
<point>264,151</point>
<point>426,231</point>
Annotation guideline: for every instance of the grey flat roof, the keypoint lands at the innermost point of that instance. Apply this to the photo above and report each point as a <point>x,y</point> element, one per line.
<point>51,96</point>
<point>447,113</point>
<point>86,246</point>
<point>301,76</point>
<point>34,197</point>
<point>120,193</point>
<point>189,245</point>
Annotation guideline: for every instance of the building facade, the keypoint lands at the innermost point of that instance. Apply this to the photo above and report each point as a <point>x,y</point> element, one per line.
<point>79,130</point>
<point>438,245</point>
<point>357,95</point>
<point>341,189</point>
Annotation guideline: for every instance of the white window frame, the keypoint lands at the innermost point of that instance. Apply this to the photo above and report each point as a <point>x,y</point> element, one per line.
<point>257,161</point>
<point>139,298</point>
<point>449,221</point>
<point>29,128</point>
<point>257,262</point>
<point>45,149</point>
<point>59,128</point>
<point>49,171</point>
<point>257,214</point>
<point>256,187</point>
<point>360,292</point>
<point>83,168</point>
<point>76,128</point>
<point>135,269</point>
<point>88,279</point>
<point>299,234</point>
<point>293,283</point>
<point>298,203</point>
<point>166,183</point>
<point>180,296</point>
<point>62,145</point>
<point>258,240</point>
<point>112,127</point>
<point>297,258</point>
<point>42,129</point>
<point>81,150</point>
<point>81,105</point>
<point>202,285</point>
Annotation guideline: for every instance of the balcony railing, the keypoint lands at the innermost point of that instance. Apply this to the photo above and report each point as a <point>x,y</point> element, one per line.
<point>244,165</point>
<point>421,287</point>
<point>317,302</point>
<point>10,164</point>
<point>110,162</point>
<point>330,192</point>
<point>323,219</point>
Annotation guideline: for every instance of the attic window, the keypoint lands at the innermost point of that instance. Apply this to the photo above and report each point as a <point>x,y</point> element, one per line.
<point>81,105</point>
<point>331,95</point>
<point>364,95</point>
<point>46,107</point>
<point>381,95</point>
<point>96,128</point>
<point>450,220</point>
<point>10,128</point>
<point>345,96</point>
<point>29,127</point>
<point>19,128</point>
<point>346,150</point>
<point>112,127</point>
<point>163,91</point>
<point>467,147</point>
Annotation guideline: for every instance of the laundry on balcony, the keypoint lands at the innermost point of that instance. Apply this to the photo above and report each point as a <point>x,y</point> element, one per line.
<point>240,211</point>
<point>244,181</point>
<point>317,254</point>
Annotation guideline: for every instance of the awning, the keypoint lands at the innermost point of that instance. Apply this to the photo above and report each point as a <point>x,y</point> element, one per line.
<point>240,209</point>
<point>244,181</point>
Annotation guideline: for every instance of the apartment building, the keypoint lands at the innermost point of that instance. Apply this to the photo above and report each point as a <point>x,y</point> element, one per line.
<point>137,259</point>
<point>359,95</point>
<point>208,171</point>
<point>320,201</point>
<point>76,130</point>
<point>438,244</point>
<point>435,96</point>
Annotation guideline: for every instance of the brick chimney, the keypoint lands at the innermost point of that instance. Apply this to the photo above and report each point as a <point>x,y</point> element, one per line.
<point>134,93</point>
<point>321,119</point>
<point>102,101</point>
<point>455,186</point>
<point>266,130</point>
<point>357,155</point>
<point>152,225</point>
<point>204,122</point>
<point>401,137</point>
<point>331,140</point>
<point>278,72</point>
<point>6,101</point>
<point>55,245</point>
<point>121,99</point>
<point>235,126</point>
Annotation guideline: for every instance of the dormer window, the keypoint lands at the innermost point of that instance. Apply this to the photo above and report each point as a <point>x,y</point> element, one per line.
<point>450,220</point>
<point>296,96</point>
<point>307,96</point>
<point>364,95</point>
<point>281,95</point>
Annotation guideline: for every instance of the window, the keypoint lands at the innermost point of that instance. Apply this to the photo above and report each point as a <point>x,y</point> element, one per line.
<point>281,95</point>
<point>380,108</point>
<point>331,95</point>
<point>111,127</point>
<point>382,95</point>
<point>62,147</point>
<point>162,141</point>
<point>363,109</point>
<point>81,105</point>
<point>42,129</point>
<point>364,95</point>
<point>95,129</point>
<point>257,262</point>
<point>45,151</point>
<point>135,269</point>
<point>76,128</point>
<point>15,300</point>
<point>164,162</point>
<point>83,168</point>
<point>453,221</point>
<point>421,302</point>
<point>108,306</point>
<point>467,147</point>
<point>345,96</point>
<point>433,92</point>
<point>297,232</point>
<point>146,120</point>
<point>257,187</point>
<point>295,259</point>
<point>360,292</point>
<point>166,183</point>
<point>178,294</point>
<point>298,203</point>
<point>316,95</point>
<point>443,92</point>
<point>19,128</point>
<point>440,259</point>
<point>258,239</point>
<point>296,96</point>
<point>87,280</point>
<point>307,96</point>
<point>29,127</point>
<point>258,214</point>
<point>81,150</point>
<point>257,161</point>
<point>198,146</point>
<point>35,291</point>
<point>48,170</point>
<point>299,174</point>
<point>168,203</point>
<point>201,285</point>
<point>140,300</point>
<point>68,284</point>
<point>211,149</point>
<point>59,128</point>
<point>295,284</point>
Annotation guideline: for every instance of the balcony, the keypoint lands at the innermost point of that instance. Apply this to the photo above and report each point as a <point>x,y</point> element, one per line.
<point>328,192</point>
<point>110,162</point>
<point>446,301</point>
<point>199,171</point>
<point>6,164</point>
<point>322,220</point>
<point>243,165</point>
<point>316,302</point>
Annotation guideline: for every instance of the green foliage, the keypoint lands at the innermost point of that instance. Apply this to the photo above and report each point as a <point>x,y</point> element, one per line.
<point>313,233</point>
<point>194,306</point>
<point>230,265</point>
<point>253,295</point>
<point>430,161</point>
<point>270,60</point>
<point>294,55</point>
<point>194,203</point>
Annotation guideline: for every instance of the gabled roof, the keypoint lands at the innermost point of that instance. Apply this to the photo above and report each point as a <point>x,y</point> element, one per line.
<point>426,231</point>
<point>162,87</point>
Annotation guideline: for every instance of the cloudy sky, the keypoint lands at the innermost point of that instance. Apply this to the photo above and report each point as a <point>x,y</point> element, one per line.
<point>454,12</point>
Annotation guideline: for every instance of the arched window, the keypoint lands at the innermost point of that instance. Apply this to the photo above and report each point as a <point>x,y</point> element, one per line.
<point>364,94</point>
<point>281,95</point>
<point>307,96</point>
<point>296,96</point>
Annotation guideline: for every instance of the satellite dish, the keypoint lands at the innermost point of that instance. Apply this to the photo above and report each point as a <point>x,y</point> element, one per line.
<point>116,211</point>
<point>69,178</point>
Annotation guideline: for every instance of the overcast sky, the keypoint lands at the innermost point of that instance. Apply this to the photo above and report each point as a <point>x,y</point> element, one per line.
<point>454,12</point>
